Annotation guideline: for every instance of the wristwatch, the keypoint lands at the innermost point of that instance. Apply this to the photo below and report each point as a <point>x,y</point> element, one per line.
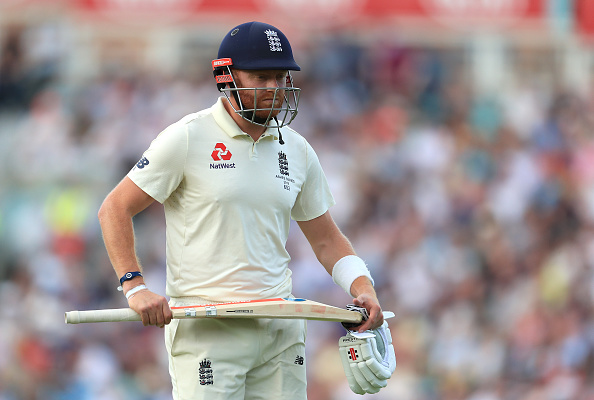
<point>127,276</point>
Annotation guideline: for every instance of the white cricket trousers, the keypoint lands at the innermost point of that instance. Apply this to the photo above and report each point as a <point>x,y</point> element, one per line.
<point>236,359</point>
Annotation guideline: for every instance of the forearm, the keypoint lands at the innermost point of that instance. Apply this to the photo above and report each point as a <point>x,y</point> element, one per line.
<point>329,252</point>
<point>331,246</point>
<point>115,218</point>
<point>118,235</point>
<point>336,254</point>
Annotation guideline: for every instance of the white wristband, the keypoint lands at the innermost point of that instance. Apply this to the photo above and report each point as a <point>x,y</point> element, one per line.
<point>347,269</point>
<point>135,290</point>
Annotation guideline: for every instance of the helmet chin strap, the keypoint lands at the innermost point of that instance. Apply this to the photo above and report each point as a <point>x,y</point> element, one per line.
<point>280,135</point>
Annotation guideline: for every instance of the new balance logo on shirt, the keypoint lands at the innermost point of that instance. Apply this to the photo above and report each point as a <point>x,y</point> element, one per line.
<point>142,163</point>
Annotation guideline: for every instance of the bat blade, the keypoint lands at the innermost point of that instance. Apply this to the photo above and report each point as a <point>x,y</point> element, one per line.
<point>268,308</point>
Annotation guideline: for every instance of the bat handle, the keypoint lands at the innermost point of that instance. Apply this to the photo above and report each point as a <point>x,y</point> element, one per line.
<point>109,315</point>
<point>364,316</point>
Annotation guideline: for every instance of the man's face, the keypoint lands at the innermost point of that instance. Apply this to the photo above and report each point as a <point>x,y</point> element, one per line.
<point>265,99</point>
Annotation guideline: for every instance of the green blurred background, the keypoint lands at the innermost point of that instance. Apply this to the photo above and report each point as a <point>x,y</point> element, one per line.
<point>457,136</point>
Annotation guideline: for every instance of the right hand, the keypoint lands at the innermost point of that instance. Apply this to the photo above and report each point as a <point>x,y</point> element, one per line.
<point>153,308</point>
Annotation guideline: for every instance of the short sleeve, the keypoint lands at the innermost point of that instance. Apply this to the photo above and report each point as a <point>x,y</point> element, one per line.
<point>161,168</point>
<point>315,197</point>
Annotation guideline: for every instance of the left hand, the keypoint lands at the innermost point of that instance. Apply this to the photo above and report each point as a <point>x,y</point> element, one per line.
<point>371,304</point>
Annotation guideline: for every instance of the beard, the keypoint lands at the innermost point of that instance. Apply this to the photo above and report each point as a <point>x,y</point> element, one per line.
<point>259,120</point>
<point>262,115</point>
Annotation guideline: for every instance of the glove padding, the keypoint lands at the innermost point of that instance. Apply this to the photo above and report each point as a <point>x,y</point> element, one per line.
<point>368,363</point>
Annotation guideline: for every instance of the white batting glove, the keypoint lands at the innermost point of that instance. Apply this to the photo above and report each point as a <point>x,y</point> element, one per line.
<point>368,362</point>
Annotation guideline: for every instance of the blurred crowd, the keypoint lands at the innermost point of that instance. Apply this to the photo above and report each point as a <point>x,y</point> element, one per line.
<point>474,211</point>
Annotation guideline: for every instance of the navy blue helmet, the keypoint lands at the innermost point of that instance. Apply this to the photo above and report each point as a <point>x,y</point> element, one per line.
<point>257,46</point>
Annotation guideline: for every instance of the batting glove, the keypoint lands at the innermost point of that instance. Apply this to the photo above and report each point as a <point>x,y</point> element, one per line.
<point>368,361</point>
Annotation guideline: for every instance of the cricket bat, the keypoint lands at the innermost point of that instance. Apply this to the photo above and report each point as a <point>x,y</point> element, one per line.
<point>283,308</point>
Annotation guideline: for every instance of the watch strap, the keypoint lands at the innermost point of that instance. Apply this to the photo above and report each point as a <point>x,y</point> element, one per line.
<point>129,275</point>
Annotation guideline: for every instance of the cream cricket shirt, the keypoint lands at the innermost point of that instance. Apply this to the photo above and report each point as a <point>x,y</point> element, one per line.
<point>228,203</point>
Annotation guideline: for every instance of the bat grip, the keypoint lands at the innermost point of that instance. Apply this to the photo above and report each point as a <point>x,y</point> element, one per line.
<point>109,315</point>
<point>360,310</point>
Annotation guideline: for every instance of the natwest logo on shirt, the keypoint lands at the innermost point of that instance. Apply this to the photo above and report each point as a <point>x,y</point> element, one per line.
<point>221,153</point>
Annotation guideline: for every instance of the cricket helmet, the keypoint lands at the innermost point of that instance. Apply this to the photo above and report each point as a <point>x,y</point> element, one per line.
<point>257,46</point>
